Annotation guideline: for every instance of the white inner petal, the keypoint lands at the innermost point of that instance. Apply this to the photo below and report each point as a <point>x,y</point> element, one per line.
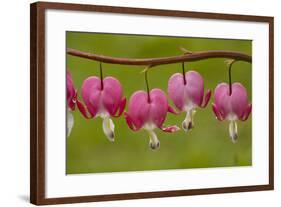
<point>189,105</point>
<point>232,117</point>
<point>108,128</point>
<point>70,122</point>
<point>149,126</point>
<point>188,123</point>
<point>154,143</point>
<point>233,131</point>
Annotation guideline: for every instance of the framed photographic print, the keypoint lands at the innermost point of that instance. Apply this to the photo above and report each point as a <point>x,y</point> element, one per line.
<point>130,103</point>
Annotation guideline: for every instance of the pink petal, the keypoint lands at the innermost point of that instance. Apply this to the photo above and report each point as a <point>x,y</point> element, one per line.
<point>91,94</point>
<point>176,90</point>
<point>158,106</point>
<point>236,103</point>
<point>190,93</point>
<point>194,88</point>
<point>130,122</point>
<point>108,98</point>
<point>172,110</point>
<point>239,99</point>
<point>121,107</point>
<point>247,112</point>
<point>141,111</point>
<point>222,99</point>
<point>94,102</point>
<point>111,94</point>
<point>207,99</point>
<point>138,108</point>
<point>219,116</point>
<point>72,102</point>
<point>170,129</point>
<point>71,93</point>
<point>83,110</point>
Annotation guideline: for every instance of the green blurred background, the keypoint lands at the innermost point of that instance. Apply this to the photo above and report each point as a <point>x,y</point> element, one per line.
<point>207,145</point>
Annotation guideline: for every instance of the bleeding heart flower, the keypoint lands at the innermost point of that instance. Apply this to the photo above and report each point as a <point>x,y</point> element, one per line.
<point>149,111</point>
<point>231,106</point>
<point>71,101</point>
<point>103,98</point>
<point>187,93</point>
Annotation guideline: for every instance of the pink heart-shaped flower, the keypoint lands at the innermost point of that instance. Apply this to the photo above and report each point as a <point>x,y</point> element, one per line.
<point>149,111</point>
<point>103,98</point>
<point>187,93</point>
<point>232,106</point>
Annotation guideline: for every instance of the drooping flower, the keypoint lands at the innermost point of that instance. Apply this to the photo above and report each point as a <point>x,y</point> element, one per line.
<point>148,111</point>
<point>71,101</point>
<point>103,98</point>
<point>231,106</point>
<point>187,93</point>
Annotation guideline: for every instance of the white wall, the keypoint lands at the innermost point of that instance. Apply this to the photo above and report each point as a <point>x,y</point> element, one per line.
<point>14,102</point>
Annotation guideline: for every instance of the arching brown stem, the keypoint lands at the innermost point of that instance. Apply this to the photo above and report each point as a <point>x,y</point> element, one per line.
<point>195,56</point>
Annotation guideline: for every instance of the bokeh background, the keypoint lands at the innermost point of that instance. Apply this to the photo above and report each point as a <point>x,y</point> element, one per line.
<point>207,145</point>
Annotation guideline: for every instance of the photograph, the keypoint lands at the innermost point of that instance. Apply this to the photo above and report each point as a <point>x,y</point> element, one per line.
<point>132,103</point>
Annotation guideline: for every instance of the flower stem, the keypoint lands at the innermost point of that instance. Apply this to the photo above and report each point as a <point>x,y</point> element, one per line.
<point>101,76</point>
<point>230,63</point>
<point>183,73</point>
<point>147,86</point>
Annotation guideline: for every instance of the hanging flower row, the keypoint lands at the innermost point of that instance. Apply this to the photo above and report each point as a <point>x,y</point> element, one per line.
<point>103,97</point>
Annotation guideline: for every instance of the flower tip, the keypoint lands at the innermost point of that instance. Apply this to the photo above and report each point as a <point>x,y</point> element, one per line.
<point>187,126</point>
<point>111,136</point>
<point>154,145</point>
<point>234,138</point>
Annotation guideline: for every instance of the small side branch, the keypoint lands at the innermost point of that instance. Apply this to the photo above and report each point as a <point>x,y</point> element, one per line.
<point>195,56</point>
